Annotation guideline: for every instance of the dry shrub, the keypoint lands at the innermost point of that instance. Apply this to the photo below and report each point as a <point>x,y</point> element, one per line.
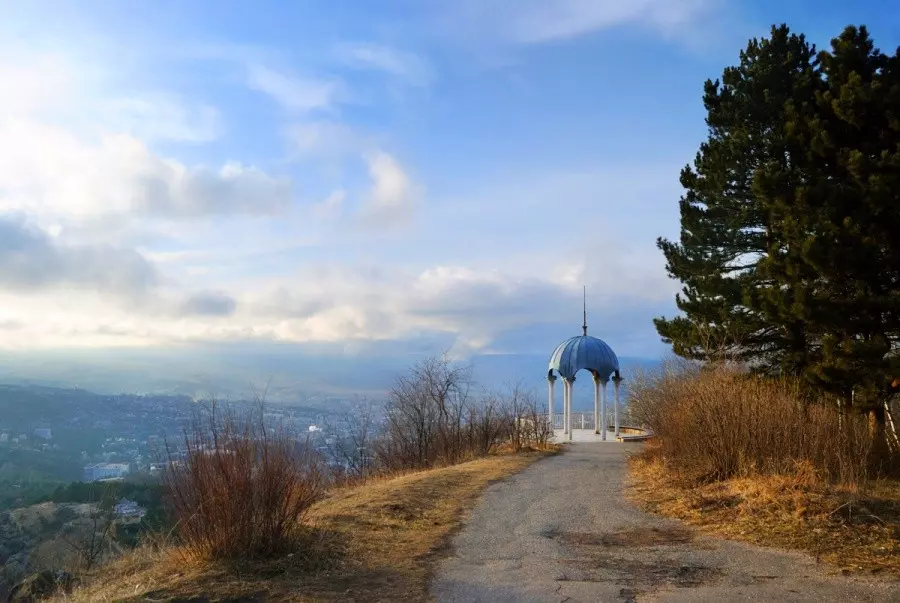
<point>721,423</point>
<point>432,419</point>
<point>240,488</point>
<point>528,426</point>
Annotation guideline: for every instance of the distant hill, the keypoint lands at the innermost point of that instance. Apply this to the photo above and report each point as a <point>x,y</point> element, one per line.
<point>292,373</point>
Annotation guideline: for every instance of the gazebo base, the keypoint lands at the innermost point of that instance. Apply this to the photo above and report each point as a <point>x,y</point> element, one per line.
<point>584,435</point>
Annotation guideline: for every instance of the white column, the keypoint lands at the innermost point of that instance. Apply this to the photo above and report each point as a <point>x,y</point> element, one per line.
<point>565,406</point>
<point>596,404</point>
<point>551,380</point>
<point>616,381</point>
<point>571,383</point>
<point>603,409</point>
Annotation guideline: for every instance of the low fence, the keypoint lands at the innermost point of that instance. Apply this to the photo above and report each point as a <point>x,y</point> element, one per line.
<point>580,420</point>
<point>585,420</point>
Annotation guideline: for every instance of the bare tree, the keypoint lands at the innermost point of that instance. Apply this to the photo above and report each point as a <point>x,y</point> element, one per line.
<point>355,449</point>
<point>433,418</point>
<point>425,413</point>
<point>94,536</point>
<point>527,426</point>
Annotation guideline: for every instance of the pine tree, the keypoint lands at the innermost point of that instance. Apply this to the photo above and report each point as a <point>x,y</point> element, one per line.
<point>852,240</point>
<point>790,239</point>
<point>725,231</point>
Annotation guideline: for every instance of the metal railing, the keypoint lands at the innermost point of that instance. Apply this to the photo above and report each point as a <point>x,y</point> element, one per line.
<point>580,420</point>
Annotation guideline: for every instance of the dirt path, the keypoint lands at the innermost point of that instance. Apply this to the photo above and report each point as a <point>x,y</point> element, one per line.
<point>562,531</point>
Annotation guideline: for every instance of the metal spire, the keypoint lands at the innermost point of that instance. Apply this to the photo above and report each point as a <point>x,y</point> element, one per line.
<point>584,325</point>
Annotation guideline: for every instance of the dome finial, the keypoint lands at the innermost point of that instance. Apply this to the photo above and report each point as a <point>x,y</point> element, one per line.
<point>584,325</point>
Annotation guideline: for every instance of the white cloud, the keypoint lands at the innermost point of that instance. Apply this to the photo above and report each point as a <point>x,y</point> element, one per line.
<point>332,207</point>
<point>163,117</point>
<point>541,21</point>
<point>393,196</point>
<point>48,171</point>
<point>475,305</point>
<point>335,302</point>
<point>52,87</point>
<point>407,66</point>
<point>321,139</point>
<point>33,84</point>
<point>73,147</point>
<point>31,260</point>
<point>293,92</point>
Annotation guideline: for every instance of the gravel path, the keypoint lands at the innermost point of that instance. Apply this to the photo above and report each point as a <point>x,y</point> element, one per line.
<point>562,531</point>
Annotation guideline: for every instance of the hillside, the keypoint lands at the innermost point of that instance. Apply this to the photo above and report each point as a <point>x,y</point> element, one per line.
<point>42,536</point>
<point>377,541</point>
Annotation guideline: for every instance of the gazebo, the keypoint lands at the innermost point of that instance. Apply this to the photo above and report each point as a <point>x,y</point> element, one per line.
<point>573,355</point>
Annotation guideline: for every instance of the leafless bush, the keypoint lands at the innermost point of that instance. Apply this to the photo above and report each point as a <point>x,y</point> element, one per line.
<point>648,390</point>
<point>486,424</point>
<point>240,488</point>
<point>718,423</point>
<point>433,419</point>
<point>353,447</point>
<point>425,413</point>
<point>527,426</point>
<point>534,428</point>
<point>91,540</point>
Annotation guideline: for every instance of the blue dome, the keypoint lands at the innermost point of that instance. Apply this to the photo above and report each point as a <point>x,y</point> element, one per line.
<point>584,352</point>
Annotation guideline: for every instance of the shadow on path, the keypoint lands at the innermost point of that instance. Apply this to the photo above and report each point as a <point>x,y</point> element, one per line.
<point>562,531</point>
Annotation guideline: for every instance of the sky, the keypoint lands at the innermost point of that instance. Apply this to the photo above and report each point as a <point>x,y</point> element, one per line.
<point>355,174</point>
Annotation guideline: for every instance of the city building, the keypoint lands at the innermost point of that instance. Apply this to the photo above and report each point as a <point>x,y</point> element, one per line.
<point>128,509</point>
<point>100,471</point>
<point>43,433</point>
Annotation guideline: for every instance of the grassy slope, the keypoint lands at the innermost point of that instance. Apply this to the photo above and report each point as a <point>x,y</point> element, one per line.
<point>378,541</point>
<point>850,530</point>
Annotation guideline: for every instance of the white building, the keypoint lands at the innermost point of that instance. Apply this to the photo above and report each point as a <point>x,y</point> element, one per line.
<point>129,509</point>
<point>99,471</point>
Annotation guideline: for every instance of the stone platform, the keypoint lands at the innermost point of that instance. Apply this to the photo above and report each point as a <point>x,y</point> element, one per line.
<point>584,435</point>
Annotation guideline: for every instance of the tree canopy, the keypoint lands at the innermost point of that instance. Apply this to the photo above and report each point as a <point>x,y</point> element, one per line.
<point>789,251</point>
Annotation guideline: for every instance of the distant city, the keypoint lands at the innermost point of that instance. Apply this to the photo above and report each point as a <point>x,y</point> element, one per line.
<point>51,436</point>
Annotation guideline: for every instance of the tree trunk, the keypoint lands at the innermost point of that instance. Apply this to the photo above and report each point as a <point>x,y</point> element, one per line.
<point>893,441</point>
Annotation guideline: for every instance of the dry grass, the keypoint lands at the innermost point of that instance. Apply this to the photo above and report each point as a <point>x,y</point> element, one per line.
<point>851,529</point>
<point>719,423</point>
<point>374,542</point>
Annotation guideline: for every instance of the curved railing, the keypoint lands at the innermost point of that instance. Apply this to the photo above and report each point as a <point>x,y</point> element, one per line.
<point>585,420</point>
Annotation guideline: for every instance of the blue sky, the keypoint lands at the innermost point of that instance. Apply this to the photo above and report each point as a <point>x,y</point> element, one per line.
<point>353,173</point>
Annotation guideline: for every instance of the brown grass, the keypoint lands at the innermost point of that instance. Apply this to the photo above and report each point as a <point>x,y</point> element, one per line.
<point>374,542</point>
<point>716,424</point>
<point>851,529</point>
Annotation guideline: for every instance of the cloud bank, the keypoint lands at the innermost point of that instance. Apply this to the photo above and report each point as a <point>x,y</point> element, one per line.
<point>298,195</point>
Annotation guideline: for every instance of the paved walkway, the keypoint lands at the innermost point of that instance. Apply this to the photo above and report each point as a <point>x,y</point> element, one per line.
<point>562,531</point>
